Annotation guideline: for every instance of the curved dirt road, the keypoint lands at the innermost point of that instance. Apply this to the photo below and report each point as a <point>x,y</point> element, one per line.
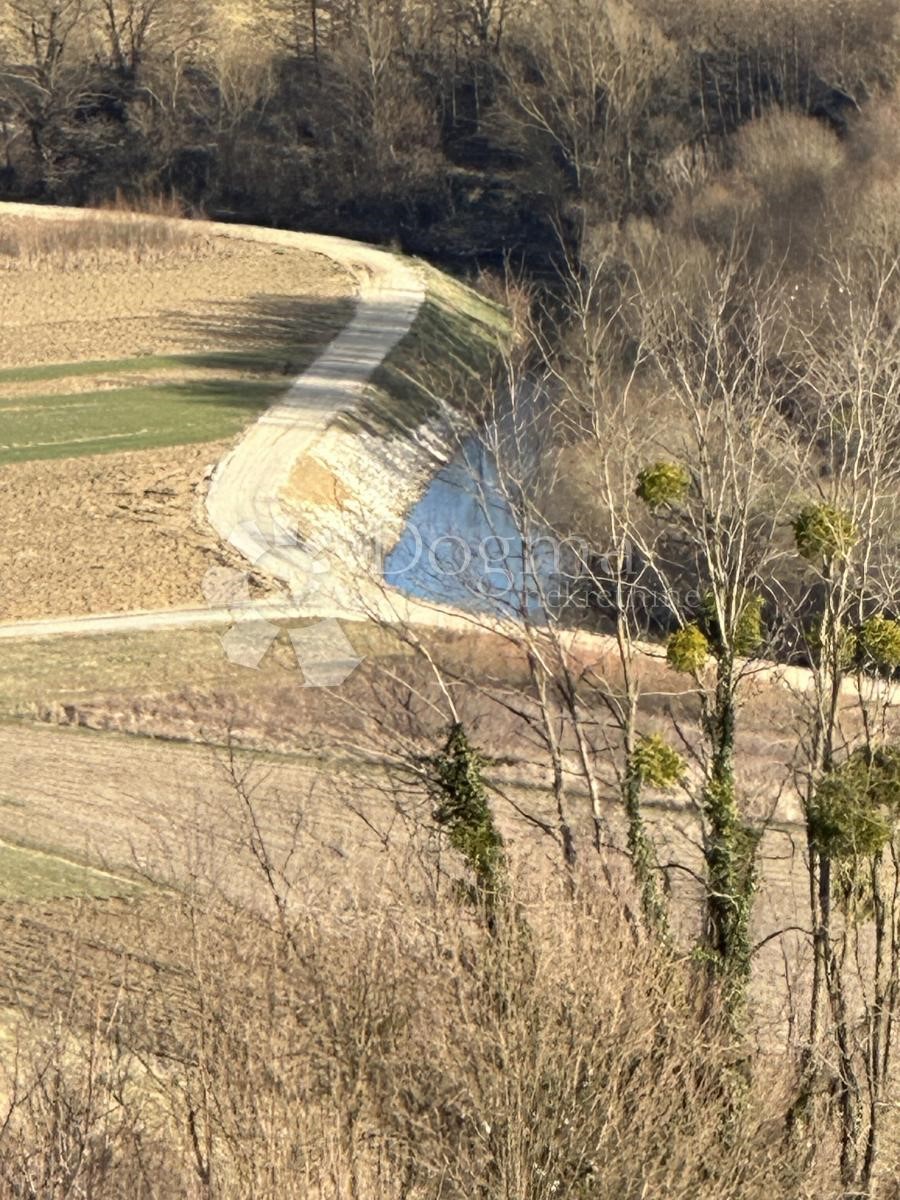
<point>244,503</point>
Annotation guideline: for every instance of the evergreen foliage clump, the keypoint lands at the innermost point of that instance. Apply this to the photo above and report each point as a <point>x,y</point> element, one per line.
<point>657,764</point>
<point>463,811</point>
<point>879,643</point>
<point>663,483</point>
<point>846,642</point>
<point>822,531</point>
<point>688,649</point>
<point>856,805</point>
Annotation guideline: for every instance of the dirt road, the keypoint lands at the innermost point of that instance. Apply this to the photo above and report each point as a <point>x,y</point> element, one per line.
<point>245,504</point>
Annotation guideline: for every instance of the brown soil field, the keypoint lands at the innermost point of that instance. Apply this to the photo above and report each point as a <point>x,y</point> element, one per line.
<point>123,531</point>
<point>201,296</point>
<point>106,533</point>
<point>169,812</point>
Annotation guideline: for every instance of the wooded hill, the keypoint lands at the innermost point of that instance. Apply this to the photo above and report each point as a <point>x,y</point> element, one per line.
<point>465,129</point>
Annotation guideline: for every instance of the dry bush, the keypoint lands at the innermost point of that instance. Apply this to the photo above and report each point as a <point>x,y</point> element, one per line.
<point>151,204</point>
<point>784,172</point>
<point>795,191</point>
<point>388,1046</point>
<point>783,142</point>
<point>870,191</point>
<point>145,231</point>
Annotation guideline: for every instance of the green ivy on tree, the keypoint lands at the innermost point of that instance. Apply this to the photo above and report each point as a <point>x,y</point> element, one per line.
<point>748,629</point>
<point>463,811</point>
<point>652,763</point>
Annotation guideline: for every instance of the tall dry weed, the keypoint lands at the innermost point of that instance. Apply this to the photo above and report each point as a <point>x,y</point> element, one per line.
<point>147,231</point>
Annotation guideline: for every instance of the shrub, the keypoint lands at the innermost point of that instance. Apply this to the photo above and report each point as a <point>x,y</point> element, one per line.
<point>663,483</point>
<point>380,1045</point>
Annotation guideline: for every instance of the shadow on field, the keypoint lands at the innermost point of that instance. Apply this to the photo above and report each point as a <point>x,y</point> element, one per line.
<point>265,335</point>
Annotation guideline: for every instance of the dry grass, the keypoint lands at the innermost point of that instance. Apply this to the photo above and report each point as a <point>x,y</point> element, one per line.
<point>161,807</point>
<point>377,1046</point>
<point>334,1025</point>
<point>89,242</point>
<point>123,233</point>
<point>227,298</point>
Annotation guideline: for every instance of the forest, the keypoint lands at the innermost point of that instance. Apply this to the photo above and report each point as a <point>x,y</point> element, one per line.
<point>467,131</point>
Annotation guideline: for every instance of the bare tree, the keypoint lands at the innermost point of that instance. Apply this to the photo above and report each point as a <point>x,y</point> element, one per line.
<point>584,86</point>
<point>143,38</point>
<point>847,533</point>
<point>47,77</point>
<point>715,494</point>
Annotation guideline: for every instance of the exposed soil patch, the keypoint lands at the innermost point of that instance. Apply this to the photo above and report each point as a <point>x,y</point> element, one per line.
<point>313,483</point>
<point>107,533</point>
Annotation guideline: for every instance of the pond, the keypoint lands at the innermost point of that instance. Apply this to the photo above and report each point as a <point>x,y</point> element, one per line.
<point>467,545</point>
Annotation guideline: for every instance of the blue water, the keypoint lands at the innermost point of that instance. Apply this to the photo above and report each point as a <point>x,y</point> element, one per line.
<point>466,544</point>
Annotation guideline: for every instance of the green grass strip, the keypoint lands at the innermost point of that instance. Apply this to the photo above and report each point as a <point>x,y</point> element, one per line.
<point>291,362</point>
<point>130,418</point>
<point>33,875</point>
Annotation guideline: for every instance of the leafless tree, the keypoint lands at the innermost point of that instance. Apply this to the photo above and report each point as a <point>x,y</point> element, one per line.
<point>47,76</point>
<point>848,533</point>
<point>584,88</point>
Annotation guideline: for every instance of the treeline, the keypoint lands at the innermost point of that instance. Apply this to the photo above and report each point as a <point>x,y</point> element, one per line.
<point>462,129</point>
